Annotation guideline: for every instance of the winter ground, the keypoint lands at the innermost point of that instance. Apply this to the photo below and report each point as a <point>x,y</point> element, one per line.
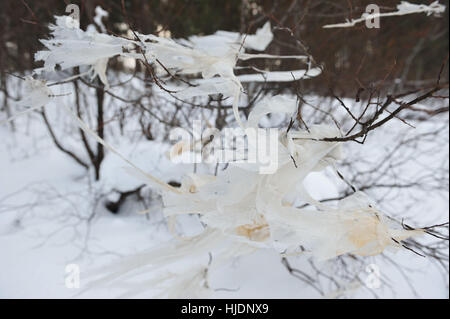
<point>48,220</point>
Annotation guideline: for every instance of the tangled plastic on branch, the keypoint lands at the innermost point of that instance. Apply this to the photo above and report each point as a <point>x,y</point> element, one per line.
<point>255,208</point>
<point>213,56</point>
<point>241,210</point>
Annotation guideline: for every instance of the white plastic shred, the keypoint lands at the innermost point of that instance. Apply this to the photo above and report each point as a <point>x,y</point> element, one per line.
<point>36,95</point>
<point>403,8</point>
<point>250,207</point>
<point>71,47</point>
